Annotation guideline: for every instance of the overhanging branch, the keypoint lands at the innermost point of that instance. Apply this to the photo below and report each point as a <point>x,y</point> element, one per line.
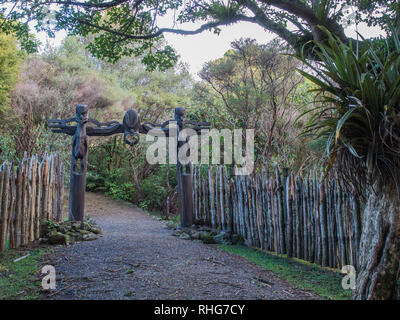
<point>103,5</point>
<point>307,14</point>
<point>261,19</point>
<point>159,32</point>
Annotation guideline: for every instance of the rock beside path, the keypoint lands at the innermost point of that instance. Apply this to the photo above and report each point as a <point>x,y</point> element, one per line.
<point>69,232</point>
<point>204,234</point>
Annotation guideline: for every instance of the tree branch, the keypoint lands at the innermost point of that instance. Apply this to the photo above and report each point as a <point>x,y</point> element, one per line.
<point>306,13</point>
<point>6,17</point>
<point>158,33</point>
<point>261,19</point>
<point>295,7</point>
<point>103,5</point>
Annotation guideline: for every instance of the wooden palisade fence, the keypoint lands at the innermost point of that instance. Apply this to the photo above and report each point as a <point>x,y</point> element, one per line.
<point>30,192</point>
<point>302,217</point>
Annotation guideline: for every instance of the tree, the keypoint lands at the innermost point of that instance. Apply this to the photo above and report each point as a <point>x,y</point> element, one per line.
<point>9,62</point>
<point>18,29</point>
<point>126,27</point>
<point>359,116</point>
<point>10,58</point>
<point>257,86</point>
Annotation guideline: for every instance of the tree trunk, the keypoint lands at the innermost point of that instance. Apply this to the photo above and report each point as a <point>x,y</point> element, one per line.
<point>379,254</point>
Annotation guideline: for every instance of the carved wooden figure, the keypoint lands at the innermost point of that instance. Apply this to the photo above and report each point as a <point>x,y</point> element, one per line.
<point>183,173</point>
<point>80,133</point>
<point>78,165</point>
<point>131,128</point>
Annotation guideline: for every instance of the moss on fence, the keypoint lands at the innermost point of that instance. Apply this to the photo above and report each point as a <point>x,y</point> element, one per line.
<point>304,275</point>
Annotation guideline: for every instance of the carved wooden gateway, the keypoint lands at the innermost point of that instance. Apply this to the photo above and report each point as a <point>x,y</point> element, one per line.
<point>131,128</point>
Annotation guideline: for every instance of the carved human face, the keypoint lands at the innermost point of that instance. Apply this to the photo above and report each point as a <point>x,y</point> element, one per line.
<point>180,114</point>
<point>82,113</point>
<point>131,120</point>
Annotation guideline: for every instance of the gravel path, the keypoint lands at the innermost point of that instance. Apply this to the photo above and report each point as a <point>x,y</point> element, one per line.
<point>138,258</point>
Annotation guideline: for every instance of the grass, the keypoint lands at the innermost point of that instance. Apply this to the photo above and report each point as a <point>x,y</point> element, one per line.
<point>301,274</point>
<point>19,280</point>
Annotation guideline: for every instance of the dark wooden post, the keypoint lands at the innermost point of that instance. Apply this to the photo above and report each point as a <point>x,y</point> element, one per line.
<point>183,172</point>
<point>187,210</point>
<point>179,117</point>
<point>78,166</point>
<point>184,175</point>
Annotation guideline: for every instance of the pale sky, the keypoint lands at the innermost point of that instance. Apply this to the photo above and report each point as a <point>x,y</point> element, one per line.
<point>195,50</point>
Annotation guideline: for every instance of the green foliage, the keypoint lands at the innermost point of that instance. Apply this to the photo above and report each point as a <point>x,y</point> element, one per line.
<point>359,113</point>
<point>112,169</point>
<point>132,28</point>
<point>377,12</point>
<point>303,275</point>
<point>19,30</point>
<point>7,148</point>
<point>154,191</point>
<point>51,84</point>
<point>110,45</point>
<point>256,87</point>
<point>117,187</point>
<point>10,58</point>
<point>95,182</point>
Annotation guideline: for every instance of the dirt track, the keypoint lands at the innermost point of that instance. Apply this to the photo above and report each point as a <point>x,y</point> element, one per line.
<point>138,258</point>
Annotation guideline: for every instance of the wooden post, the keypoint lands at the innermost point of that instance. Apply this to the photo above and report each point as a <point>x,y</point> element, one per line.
<point>216,197</point>
<point>329,223</point>
<point>356,227</point>
<point>60,196</point>
<point>38,198</point>
<point>211,197</point>
<point>306,218</point>
<point>280,212</point>
<point>205,198</point>
<point>1,192</point>
<point>240,206</point>
<point>323,215</point>
<point>249,211</point>
<point>187,187</point>
<point>32,197</point>
<point>264,208</point>
<point>285,172</point>
<point>228,200</point>
<point>246,209</point>
<point>4,206</point>
<point>289,209</point>
<point>271,216</point>
<point>24,222</point>
<point>55,187</point>
<point>221,198</point>
<point>195,187</point>
<point>11,215</point>
<point>79,166</point>
<point>45,193</point>
<point>234,206</point>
